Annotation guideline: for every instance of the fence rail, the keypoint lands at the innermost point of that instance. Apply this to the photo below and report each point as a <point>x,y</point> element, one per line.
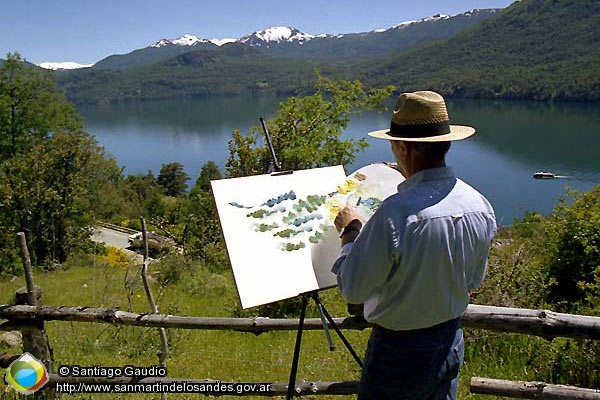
<point>117,228</point>
<point>542,323</point>
<point>531,390</point>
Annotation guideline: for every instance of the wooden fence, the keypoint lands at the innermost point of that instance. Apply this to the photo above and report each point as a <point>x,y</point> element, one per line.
<point>531,390</point>
<point>543,323</point>
<point>30,317</point>
<point>117,228</point>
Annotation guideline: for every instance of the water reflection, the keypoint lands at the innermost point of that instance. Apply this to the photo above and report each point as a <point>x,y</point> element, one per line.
<point>514,140</point>
<point>144,136</point>
<point>564,137</point>
<point>199,115</point>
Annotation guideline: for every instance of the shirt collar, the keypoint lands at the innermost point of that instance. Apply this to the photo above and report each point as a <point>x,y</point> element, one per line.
<point>430,174</point>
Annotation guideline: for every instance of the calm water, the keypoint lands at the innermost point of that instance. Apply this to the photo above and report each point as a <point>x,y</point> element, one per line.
<point>514,140</point>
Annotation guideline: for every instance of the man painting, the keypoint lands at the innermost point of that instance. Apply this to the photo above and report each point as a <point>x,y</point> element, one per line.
<point>414,262</point>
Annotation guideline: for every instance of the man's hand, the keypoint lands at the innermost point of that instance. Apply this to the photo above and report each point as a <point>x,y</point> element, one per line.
<point>346,216</point>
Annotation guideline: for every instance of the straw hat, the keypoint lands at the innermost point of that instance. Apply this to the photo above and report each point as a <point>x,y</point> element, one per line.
<point>422,117</point>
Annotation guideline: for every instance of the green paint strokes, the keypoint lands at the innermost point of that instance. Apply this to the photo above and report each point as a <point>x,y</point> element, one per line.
<point>266,227</point>
<point>289,218</point>
<point>316,237</point>
<point>260,214</point>
<point>286,233</point>
<point>311,204</point>
<point>294,246</point>
<point>316,199</point>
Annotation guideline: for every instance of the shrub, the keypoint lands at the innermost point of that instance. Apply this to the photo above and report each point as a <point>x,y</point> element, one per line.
<point>173,267</point>
<point>117,258</point>
<point>573,252</point>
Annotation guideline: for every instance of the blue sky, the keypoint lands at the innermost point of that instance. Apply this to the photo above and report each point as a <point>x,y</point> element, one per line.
<point>85,31</point>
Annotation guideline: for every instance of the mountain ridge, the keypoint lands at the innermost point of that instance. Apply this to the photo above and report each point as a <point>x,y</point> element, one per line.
<point>290,42</point>
<point>201,73</point>
<point>534,49</point>
<point>275,34</point>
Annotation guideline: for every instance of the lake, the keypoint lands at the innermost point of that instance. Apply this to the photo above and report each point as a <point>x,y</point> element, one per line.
<point>514,140</point>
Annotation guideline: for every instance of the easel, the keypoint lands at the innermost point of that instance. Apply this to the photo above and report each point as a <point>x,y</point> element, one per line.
<point>325,316</point>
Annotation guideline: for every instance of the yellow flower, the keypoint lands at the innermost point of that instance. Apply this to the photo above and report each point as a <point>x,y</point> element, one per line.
<point>117,258</point>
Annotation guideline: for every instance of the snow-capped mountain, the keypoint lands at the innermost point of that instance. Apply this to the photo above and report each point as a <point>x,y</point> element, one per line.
<point>190,40</point>
<point>63,65</point>
<point>276,34</point>
<point>281,34</point>
<point>289,42</point>
<point>441,17</point>
<point>406,24</point>
<point>221,42</point>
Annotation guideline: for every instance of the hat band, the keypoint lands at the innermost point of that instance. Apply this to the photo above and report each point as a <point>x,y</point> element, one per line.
<point>419,130</point>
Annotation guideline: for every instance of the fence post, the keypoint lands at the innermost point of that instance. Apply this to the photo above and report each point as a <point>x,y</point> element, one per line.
<point>28,270</point>
<point>164,346</point>
<point>35,340</point>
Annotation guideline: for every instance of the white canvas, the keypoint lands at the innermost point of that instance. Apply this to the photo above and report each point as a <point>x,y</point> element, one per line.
<point>279,228</point>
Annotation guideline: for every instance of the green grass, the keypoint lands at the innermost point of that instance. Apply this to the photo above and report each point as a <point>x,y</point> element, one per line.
<point>222,355</point>
<point>231,356</point>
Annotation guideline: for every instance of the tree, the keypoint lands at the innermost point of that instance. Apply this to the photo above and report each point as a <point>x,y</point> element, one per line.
<point>172,178</point>
<point>54,188</point>
<point>143,196</point>
<point>202,231</point>
<point>30,108</point>
<point>51,171</point>
<point>306,131</point>
<point>143,185</point>
<point>209,172</point>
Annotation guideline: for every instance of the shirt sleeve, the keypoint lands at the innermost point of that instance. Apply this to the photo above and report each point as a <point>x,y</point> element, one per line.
<point>364,265</point>
<point>478,274</point>
<point>342,256</point>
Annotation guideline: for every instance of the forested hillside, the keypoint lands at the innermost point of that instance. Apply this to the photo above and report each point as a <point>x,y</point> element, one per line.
<point>340,49</point>
<point>231,70</point>
<point>535,49</point>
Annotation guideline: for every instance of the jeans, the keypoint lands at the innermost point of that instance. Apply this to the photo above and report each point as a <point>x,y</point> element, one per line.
<point>419,366</point>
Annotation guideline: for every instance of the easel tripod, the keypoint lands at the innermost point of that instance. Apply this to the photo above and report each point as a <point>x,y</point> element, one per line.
<point>325,316</point>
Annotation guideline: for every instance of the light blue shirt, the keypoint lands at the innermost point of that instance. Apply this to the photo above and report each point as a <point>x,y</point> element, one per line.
<point>415,261</point>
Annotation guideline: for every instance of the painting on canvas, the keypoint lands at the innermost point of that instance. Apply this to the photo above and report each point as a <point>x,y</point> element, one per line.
<point>279,228</point>
<point>269,223</point>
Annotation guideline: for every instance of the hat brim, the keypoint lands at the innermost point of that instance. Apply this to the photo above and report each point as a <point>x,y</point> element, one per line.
<point>457,132</point>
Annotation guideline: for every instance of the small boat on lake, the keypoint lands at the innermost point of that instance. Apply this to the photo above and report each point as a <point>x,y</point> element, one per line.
<point>549,175</point>
<point>544,175</point>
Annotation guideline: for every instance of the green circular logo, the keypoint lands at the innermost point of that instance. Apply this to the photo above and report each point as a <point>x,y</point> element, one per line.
<point>26,374</point>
